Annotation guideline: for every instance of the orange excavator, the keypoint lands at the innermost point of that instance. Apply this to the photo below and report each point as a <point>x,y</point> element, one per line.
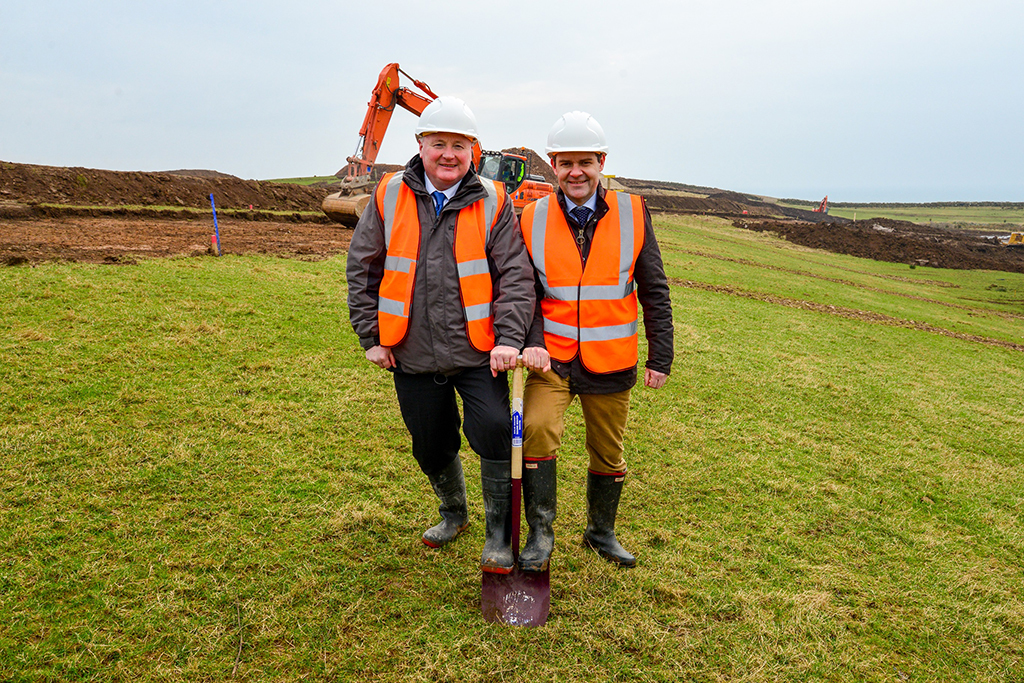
<point>823,207</point>
<point>347,205</point>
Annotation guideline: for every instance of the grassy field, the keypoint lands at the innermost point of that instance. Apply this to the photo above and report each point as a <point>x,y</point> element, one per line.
<point>307,180</point>
<point>966,214</point>
<point>201,478</point>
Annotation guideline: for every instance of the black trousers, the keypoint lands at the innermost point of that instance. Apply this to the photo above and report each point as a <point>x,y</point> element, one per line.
<point>431,415</point>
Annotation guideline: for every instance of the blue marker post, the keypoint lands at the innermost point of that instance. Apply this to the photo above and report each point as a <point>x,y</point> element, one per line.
<point>216,230</point>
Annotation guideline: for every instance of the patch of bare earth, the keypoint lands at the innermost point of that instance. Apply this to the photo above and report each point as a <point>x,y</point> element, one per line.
<point>88,239</point>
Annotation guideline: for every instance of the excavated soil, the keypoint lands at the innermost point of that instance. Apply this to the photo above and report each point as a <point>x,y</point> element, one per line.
<point>30,184</point>
<point>92,216</point>
<point>77,214</point>
<point>883,239</point>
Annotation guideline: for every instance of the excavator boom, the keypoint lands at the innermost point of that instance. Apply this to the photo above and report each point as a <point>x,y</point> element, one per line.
<point>385,97</point>
<point>348,204</point>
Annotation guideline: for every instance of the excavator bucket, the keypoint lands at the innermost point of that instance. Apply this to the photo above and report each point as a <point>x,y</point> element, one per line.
<point>345,208</point>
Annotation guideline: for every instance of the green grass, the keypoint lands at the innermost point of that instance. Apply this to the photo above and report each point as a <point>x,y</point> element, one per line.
<point>201,478</point>
<point>309,180</point>
<point>961,213</point>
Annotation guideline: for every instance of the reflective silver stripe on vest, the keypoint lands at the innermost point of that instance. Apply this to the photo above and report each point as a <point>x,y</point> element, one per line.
<point>540,230</point>
<point>569,293</point>
<point>590,334</point>
<point>391,306</point>
<point>595,334</point>
<point>478,312</point>
<point>490,208</point>
<point>605,292</point>
<point>560,329</point>
<point>398,264</point>
<point>477,267</point>
<point>390,202</point>
<point>625,237</point>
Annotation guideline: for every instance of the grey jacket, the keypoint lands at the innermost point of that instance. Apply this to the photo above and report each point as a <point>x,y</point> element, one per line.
<point>437,341</point>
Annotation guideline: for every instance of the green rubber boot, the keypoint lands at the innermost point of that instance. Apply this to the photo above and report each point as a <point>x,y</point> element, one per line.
<point>450,486</point>
<point>603,492</point>
<point>496,484</point>
<point>540,502</point>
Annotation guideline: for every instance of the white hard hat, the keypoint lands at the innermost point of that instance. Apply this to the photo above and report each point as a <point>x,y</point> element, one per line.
<point>447,114</point>
<point>576,131</point>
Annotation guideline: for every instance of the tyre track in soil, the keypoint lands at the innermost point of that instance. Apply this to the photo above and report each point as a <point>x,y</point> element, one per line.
<point>843,312</point>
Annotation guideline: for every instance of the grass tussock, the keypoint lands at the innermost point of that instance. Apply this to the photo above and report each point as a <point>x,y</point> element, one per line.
<point>202,479</point>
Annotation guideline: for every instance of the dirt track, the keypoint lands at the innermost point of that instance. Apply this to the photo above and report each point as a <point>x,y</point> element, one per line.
<point>125,240</point>
<point>99,229</point>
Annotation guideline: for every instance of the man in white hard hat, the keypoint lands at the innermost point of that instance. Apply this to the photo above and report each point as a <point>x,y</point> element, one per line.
<point>441,294</point>
<point>596,258</point>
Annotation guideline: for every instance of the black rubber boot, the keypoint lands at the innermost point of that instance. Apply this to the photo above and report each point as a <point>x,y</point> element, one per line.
<point>450,486</point>
<point>603,492</point>
<point>539,499</point>
<point>496,482</point>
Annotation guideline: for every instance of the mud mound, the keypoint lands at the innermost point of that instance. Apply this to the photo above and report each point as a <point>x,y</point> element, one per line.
<point>31,184</point>
<point>650,186</point>
<point>729,205</point>
<point>895,241</point>
<point>668,197</point>
<point>706,205</point>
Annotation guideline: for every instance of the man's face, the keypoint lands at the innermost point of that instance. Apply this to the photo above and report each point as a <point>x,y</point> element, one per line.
<point>578,174</point>
<point>446,158</point>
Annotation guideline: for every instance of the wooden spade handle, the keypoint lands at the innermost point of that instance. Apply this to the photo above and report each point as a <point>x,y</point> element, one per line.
<point>517,421</point>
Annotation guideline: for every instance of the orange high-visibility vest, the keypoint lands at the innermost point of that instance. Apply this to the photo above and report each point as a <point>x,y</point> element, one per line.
<point>588,310</point>
<point>397,205</point>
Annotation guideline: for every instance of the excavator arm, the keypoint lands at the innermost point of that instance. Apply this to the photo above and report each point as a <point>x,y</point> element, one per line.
<point>346,205</point>
<point>385,97</point>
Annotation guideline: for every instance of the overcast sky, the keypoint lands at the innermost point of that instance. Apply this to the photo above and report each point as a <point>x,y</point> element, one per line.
<point>884,100</point>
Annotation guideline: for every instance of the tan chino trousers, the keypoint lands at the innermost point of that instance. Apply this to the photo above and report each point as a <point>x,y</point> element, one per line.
<point>545,400</point>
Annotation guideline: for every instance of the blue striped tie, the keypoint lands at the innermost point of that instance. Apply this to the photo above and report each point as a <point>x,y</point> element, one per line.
<point>438,202</point>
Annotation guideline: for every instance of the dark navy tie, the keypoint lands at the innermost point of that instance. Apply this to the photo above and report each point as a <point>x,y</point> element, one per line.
<point>438,202</point>
<point>581,214</point>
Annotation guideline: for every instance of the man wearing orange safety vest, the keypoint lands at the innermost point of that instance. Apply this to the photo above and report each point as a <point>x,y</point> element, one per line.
<point>441,293</point>
<point>596,258</point>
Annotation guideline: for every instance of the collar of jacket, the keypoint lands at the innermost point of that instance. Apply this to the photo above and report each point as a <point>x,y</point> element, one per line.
<point>469,191</point>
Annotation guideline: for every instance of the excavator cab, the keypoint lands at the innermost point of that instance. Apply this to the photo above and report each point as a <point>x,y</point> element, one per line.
<point>509,169</point>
